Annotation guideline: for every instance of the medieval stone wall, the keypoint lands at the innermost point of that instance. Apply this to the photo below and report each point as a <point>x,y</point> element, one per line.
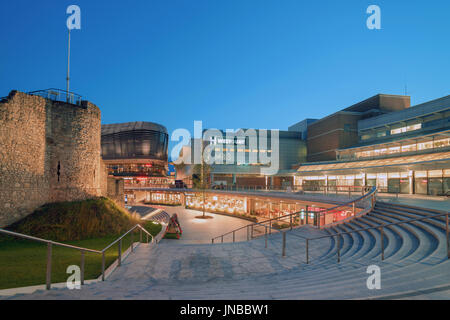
<point>49,152</point>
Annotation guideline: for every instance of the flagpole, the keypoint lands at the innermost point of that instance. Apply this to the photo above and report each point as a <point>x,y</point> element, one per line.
<point>68,69</point>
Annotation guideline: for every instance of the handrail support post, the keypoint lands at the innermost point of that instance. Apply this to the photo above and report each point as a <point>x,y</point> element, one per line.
<point>119,259</point>
<point>307,251</point>
<point>103,266</point>
<point>265,236</point>
<point>382,242</point>
<point>338,248</point>
<point>82,268</point>
<point>49,266</point>
<point>447,234</point>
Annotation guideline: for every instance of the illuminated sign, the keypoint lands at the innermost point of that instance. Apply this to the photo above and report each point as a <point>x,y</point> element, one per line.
<point>215,140</point>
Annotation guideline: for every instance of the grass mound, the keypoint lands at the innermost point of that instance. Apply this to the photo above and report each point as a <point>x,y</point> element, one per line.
<point>78,220</point>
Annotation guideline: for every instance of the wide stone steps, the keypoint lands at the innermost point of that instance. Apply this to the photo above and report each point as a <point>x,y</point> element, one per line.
<point>415,259</point>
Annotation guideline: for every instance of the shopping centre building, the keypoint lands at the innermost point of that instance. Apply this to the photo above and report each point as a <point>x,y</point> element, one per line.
<point>400,151</point>
<point>137,152</point>
<point>242,158</point>
<point>381,141</point>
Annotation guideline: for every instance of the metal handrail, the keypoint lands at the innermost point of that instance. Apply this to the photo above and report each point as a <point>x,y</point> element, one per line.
<point>58,95</point>
<point>382,226</point>
<point>24,236</point>
<point>320,213</point>
<point>50,244</point>
<point>127,233</point>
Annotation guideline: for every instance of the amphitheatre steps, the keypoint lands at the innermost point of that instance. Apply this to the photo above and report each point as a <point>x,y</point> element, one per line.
<point>415,259</point>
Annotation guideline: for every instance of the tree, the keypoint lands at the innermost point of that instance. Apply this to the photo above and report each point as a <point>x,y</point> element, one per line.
<point>200,174</point>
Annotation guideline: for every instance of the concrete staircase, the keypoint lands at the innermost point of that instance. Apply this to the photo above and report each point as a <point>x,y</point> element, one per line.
<point>415,264</point>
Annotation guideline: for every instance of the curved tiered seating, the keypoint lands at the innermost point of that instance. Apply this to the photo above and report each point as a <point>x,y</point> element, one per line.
<point>415,260</point>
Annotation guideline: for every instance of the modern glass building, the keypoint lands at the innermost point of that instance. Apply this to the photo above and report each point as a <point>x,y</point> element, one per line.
<point>406,151</point>
<point>138,152</point>
<point>243,158</point>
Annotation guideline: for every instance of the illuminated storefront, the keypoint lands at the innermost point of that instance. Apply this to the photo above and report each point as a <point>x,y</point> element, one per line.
<point>163,198</point>
<point>403,175</point>
<point>138,153</point>
<point>216,203</point>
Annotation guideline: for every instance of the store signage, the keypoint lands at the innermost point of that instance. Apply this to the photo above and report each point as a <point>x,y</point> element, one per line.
<point>216,140</point>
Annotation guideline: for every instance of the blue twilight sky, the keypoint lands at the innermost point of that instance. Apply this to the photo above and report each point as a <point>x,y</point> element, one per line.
<point>230,63</point>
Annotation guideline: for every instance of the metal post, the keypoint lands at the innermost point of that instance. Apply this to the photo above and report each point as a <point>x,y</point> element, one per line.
<point>132,240</point>
<point>318,219</point>
<point>307,251</point>
<point>234,236</point>
<point>354,208</point>
<point>270,224</point>
<point>339,248</point>
<point>120,253</point>
<point>147,236</point>
<point>284,244</point>
<point>49,266</point>
<point>248,233</point>
<point>103,266</point>
<point>68,69</point>
<point>306,215</point>
<point>140,235</point>
<point>382,243</point>
<point>222,239</point>
<point>265,235</point>
<point>82,267</point>
<point>447,232</point>
<point>212,241</point>
<point>251,234</point>
<point>290,221</point>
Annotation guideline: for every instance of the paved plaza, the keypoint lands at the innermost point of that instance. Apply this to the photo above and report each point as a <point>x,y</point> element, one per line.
<point>415,265</point>
<point>203,230</point>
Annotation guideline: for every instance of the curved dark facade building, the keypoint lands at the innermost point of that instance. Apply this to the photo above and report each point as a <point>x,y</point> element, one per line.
<point>136,151</point>
<point>134,140</point>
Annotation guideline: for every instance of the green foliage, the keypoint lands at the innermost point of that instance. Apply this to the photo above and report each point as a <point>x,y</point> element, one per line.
<point>23,262</point>
<point>171,236</point>
<point>78,220</point>
<point>197,175</point>
<point>277,225</point>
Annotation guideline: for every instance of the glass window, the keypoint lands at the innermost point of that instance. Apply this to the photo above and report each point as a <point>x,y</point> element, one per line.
<point>446,185</point>
<point>394,185</point>
<point>406,129</point>
<point>394,150</point>
<point>425,145</point>
<point>409,148</point>
<point>435,187</point>
<point>442,143</point>
<point>421,184</point>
